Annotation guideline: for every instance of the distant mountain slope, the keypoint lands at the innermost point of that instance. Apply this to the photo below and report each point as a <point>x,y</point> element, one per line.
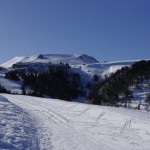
<point>11,62</point>
<point>81,63</point>
<point>112,67</point>
<point>53,58</point>
<point>86,66</point>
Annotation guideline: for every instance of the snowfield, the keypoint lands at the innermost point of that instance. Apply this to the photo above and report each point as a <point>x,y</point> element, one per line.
<point>60,125</point>
<point>13,86</point>
<point>17,130</point>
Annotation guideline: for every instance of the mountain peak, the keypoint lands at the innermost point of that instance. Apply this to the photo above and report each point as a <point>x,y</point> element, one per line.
<point>53,58</point>
<point>88,58</point>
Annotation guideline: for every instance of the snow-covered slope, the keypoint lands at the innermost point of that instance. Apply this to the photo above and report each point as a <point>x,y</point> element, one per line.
<point>104,68</point>
<point>13,86</point>
<point>17,130</point>
<point>72,126</point>
<point>11,62</point>
<point>112,67</point>
<point>84,63</point>
<point>41,63</point>
<point>53,58</point>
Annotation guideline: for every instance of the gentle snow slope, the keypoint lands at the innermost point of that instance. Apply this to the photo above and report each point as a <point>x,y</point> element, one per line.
<point>17,130</point>
<point>13,86</point>
<point>72,126</point>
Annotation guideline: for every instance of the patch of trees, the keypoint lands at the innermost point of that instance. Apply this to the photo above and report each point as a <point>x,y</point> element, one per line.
<point>115,88</point>
<point>58,82</point>
<point>12,75</point>
<point>95,78</point>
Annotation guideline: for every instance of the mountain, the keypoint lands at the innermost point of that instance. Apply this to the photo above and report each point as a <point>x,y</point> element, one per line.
<point>29,122</point>
<point>83,62</point>
<point>53,58</point>
<point>42,63</point>
<point>88,69</point>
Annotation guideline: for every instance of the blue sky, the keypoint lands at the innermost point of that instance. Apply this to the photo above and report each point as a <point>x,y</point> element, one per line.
<point>104,29</point>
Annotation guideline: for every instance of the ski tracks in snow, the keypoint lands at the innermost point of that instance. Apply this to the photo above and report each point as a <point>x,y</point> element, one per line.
<point>131,136</point>
<point>72,126</point>
<point>17,130</point>
<point>55,128</point>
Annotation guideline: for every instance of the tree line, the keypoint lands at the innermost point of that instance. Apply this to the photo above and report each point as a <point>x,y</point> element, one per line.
<point>116,86</point>
<point>58,82</point>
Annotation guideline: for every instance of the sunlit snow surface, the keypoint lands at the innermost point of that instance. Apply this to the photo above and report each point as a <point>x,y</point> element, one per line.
<point>17,130</point>
<point>83,62</point>
<point>72,126</point>
<point>45,124</point>
<point>13,86</point>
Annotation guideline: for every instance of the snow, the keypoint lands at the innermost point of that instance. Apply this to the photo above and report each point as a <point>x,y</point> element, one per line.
<point>43,123</point>
<point>103,68</point>
<point>112,67</point>
<point>91,69</point>
<point>17,130</point>
<point>140,95</point>
<point>65,125</point>
<point>84,65</point>
<point>83,62</point>
<point>13,86</point>
<point>11,62</point>
<point>53,58</point>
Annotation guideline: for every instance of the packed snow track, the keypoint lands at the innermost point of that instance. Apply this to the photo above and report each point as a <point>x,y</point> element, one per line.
<point>65,125</point>
<point>17,130</point>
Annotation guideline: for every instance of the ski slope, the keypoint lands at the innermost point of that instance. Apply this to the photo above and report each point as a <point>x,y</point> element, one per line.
<point>65,125</point>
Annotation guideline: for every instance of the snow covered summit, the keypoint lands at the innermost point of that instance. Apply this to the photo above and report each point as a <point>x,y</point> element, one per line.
<point>81,63</point>
<point>53,58</point>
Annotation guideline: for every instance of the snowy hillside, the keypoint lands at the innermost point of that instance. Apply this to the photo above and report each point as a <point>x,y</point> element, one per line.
<point>84,65</point>
<point>53,58</point>
<point>41,123</point>
<point>60,125</point>
<point>81,63</point>
<point>112,67</point>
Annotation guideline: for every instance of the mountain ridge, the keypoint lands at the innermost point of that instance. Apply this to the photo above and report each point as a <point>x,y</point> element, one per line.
<point>87,67</point>
<point>73,59</point>
<point>83,62</point>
